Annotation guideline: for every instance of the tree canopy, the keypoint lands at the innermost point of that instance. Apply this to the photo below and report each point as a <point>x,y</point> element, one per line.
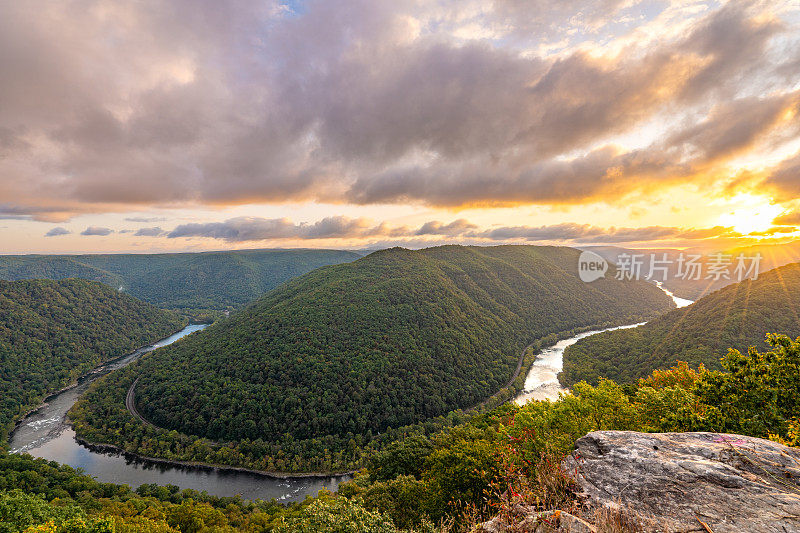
<point>51,332</point>
<point>737,316</point>
<point>347,352</point>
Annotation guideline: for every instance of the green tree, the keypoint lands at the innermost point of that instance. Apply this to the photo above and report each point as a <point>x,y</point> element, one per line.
<point>337,515</point>
<point>758,395</point>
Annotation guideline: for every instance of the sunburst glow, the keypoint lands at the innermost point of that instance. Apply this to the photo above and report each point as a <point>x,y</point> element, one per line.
<point>751,214</point>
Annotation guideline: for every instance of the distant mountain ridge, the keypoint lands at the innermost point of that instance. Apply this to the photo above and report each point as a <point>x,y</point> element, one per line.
<point>772,256</point>
<point>203,280</point>
<point>735,316</point>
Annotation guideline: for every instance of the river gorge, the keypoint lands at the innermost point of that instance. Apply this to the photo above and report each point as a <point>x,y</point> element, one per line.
<point>45,433</point>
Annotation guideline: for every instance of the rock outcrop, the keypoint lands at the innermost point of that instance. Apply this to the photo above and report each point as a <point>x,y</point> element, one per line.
<point>530,521</point>
<point>677,482</point>
<point>670,483</point>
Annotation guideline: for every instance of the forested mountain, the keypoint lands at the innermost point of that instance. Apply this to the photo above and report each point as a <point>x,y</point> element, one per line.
<point>348,351</point>
<point>460,475</point>
<point>53,331</point>
<point>736,316</point>
<point>207,280</point>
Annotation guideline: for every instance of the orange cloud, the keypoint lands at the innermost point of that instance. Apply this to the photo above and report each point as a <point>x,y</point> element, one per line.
<point>373,103</point>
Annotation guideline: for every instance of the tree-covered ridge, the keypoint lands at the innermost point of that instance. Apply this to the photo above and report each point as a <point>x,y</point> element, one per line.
<point>51,332</point>
<point>446,480</point>
<point>208,280</point>
<point>389,340</point>
<point>737,316</point>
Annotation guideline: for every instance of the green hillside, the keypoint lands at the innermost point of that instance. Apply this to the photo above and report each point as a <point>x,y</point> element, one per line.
<point>53,331</point>
<point>343,353</point>
<point>208,280</point>
<point>460,475</point>
<point>736,316</point>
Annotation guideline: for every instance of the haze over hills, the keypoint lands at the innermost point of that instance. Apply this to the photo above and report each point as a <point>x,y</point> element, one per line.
<point>736,316</point>
<point>772,256</point>
<point>51,332</point>
<point>207,280</point>
<point>392,339</point>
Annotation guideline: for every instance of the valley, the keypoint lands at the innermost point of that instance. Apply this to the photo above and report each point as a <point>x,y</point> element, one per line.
<point>203,284</point>
<point>52,332</point>
<point>428,266</point>
<point>333,363</point>
<point>464,303</point>
<point>737,316</point>
<point>45,433</point>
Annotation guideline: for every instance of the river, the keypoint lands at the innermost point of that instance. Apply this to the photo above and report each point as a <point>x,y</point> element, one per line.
<point>541,383</point>
<point>45,433</point>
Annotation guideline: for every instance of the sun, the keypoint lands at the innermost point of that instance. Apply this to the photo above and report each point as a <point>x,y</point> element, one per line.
<point>750,214</point>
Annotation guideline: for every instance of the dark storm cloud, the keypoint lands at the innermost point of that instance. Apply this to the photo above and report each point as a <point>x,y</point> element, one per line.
<point>113,106</point>
<point>57,231</point>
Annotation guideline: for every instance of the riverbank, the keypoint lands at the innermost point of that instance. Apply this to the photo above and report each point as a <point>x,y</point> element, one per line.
<point>542,381</point>
<point>152,433</point>
<point>96,371</point>
<point>111,448</point>
<point>46,434</point>
<point>530,355</point>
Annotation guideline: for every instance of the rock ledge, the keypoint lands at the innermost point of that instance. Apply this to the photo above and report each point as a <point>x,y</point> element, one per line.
<point>675,481</point>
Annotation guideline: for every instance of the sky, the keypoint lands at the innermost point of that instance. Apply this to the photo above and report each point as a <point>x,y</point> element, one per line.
<point>181,125</point>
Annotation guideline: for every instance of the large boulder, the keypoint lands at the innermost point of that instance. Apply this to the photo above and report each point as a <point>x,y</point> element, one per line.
<point>670,482</point>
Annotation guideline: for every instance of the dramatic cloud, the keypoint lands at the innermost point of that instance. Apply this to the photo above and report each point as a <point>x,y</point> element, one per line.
<point>55,232</point>
<point>97,231</point>
<point>733,126</point>
<point>260,229</point>
<point>457,227</point>
<point>784,180</point>
<point>257,229</point>
<point>121,105</point>
<point>149,232</point>
<point>788,219</point>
